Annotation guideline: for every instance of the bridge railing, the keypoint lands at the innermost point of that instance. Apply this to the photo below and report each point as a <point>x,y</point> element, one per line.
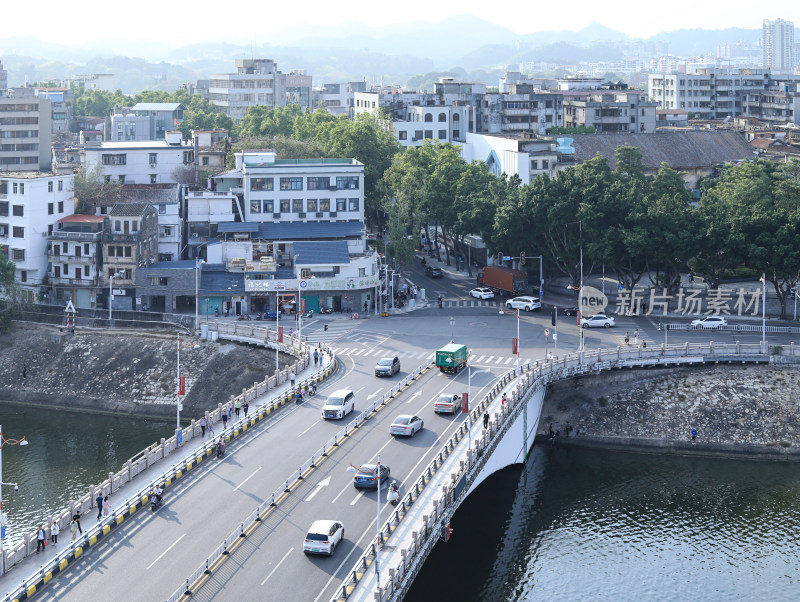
<point>152,456</point>
<point>533,377</point>
<point>262,510</point>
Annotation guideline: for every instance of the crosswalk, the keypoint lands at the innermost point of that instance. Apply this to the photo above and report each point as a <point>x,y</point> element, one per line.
<point>362,352</point>
<point>336,329</point>
<point>470,303</point>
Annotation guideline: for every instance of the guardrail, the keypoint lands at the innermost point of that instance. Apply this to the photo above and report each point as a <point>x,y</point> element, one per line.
<point>146,459</point>
<point>285,489</point>
<point>532,378</point>
<point>732,328</point>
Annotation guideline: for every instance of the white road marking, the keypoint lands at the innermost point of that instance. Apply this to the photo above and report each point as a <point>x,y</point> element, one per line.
<point>414,396</point>
<point>491,357</point>
<point>272,572</point>
<point>358,497</point>
<point>359,352</point>
<point>318,487</point>
<point>308,429</point>
<point>375,393</point>
<point>499,359</point>
<point>247,479</point>
<point>174,543</point>
<point>480,359</point>
<point>509,360</point>
<point>431,356</point>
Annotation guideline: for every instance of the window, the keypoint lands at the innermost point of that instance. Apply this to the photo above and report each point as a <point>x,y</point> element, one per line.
<point>158,281</point>
<point>134,226</point>
<point>65,247</point>
<point>341,204</point>
<point>65,269</point>
<point>153,158</point>
<point>50,208</point>
<point>19,232</point>
<point>284,205</point>
<point>60,185</point>
<point>442,134</point>
<point>204,160</point>
<point>4,208</point>
<point>324,204</point>
<point>21,188</point>
<point>442,117</point>
<point>352,204</point>
<point>297,205</point>
<point>545,164</point>
<point>261,184</point>
<point>86,249</point>
<point>127,251</point>
<point>311,205</point>
<point>429,134</point>
<point>428,117</point>
<point>153,178</point>
<point>162,209</point>
<point>50,186</point>
<point>17,255</point>
<point>115,159</point>
<point>3,229</point>
<point>188,157</point>
<point>362,272</point>
<point>402,135</point>
<point>255,206</point>
<point>61,206</point>
<point>111,251</point>
<point>534,164</point>
<point>456,134</point>
<point>318,183</point>
<point>117,225</point>
<point>291,183</point>
<point>166,231</point>
<point>417,134</point>
<point>86,271</point>
<point>17,210</point>
<point>268,206</point>
<point>23,275</point>
<point>347,183</point>
<point>121,179</point>
<point>16,188</point>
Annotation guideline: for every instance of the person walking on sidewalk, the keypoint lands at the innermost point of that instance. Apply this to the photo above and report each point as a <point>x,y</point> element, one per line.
<point>210,424</point>
<point>224,418</point>
<point>486,419</point>
<point>54,530</point>
<point>237,407</point>
<point>245,407</point>
<point>73,528</point>
<point>106,506</point>
<point>627,338</point>
<point>292,377</point>
<point>41,539</point>
<point>203,424</point>
<point>99,501</point>
<point>316,357</point>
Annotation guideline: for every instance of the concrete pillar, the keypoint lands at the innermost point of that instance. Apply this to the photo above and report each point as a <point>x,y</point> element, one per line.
<point>277,376</point>
<point>110,483</point>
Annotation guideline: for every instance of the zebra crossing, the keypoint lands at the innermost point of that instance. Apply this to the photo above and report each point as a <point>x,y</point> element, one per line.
<point>362,352</point>
<point>336,329</point>
<point>470,303</point>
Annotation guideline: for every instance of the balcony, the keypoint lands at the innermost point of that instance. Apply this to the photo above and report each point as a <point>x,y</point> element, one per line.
<point>84,282</point>
<point>76,236</point>
<point>69,259</point>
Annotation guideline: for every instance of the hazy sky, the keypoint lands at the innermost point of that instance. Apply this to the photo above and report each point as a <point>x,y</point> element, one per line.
<point>180,21</point>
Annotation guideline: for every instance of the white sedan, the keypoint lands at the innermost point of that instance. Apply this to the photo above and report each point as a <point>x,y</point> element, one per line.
<point>482,293</point>
<point>597,321</point>
<point>526,303</point>
<point>712,322</point>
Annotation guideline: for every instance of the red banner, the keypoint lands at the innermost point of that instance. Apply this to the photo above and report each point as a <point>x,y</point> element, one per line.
<point>280,334</point>
<point>465,402</point>
<point>579,317</point>
<point>302,306</point>
<point>182,386</point>
<point>514,346</point>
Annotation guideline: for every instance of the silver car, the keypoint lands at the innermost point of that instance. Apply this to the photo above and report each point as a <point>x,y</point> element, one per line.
<point>598,321</point>
<point>526,303</point>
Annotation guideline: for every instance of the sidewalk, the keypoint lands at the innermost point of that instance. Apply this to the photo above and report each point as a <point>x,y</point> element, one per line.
<point>29,569</point>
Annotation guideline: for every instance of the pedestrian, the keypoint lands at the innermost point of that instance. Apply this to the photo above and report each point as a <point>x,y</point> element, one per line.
<point>486,420</point>
<point>99,502</point>
<point>694,435</point>
<point>245,407</point>
<point>503,401</point>
<point>627,339</point>
<point>316,357</point>
<point>224,418</point>
<point>292,377</point>
<point>73,528</point>
<point>237,407</point>
<point>203,424</point>
<point>549,355</point>
<point>41,539</point>
<point>365,307</point>
<point>210,427</point>
<point>230,409</point>
<point>54,530</point>
<point>644,344</point>
<point>636,337</point>
<point>106,506</point>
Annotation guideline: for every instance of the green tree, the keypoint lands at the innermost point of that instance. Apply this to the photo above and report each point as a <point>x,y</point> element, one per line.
<point>8,307</point>
<point>90,189</point>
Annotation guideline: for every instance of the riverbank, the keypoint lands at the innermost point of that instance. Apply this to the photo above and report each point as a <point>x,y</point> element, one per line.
<point>123,371</point>
<point>736,411</point>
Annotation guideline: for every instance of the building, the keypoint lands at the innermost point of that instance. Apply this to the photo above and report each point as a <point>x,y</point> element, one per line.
<point>523,156</point>
<point>611,112</point>
<point>777,42</point>
<point>25,131</point>
<point>522,109</point>
<point>75,257</point>
<point>776,106</point>
<point>30,205</point>
<point>130,243</point>
<point>212,148</point>
<point>338,99</point>
<point>3,79</point>
<point>445,124</point>
<point>144,121</point>
<point>205,211</point>
<point>166,200</point>
<point>62,100</point>
<point>258,82</point>
<point>671,118</point>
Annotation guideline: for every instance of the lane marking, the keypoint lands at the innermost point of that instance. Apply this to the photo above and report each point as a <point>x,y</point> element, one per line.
<point>480,359</point>
<point>414,396</point>
<point>174,543</point>
<point>272,572</point>
<point>318,487</point>
<point>509,360</point>
<point>247,479</point>
<point>499,359</point>
<point>308,429</point>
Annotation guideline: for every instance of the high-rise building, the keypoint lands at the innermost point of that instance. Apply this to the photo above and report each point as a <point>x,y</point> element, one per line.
<point>25,130</point>
<point>778,44</point>
<point>3,77</point>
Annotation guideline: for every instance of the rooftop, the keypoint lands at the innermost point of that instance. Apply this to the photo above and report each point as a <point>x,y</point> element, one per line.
<point>128,209</point>
<point>295,230</point>
<point>78,218</point>
<point>157,106</point>
<point>321,253</point>
<point>30,175</point>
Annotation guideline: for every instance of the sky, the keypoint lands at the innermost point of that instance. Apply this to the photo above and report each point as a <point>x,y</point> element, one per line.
<point>179,22</point>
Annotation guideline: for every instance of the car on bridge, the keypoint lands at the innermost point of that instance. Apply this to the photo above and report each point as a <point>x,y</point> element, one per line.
<point>339,404</point>
<point>367,476</point>
<point>447,403</point>
<point>482,292</point>
<point>710,322</point>
<point>597,321</point>
<point>526,303</point>
<point>432,272</point>
<point>406,425</point>
<point>387,366</point>
<point>323,536</point>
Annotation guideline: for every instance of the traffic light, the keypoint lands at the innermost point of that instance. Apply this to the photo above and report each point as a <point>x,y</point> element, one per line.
<point>554,316</point>
<point>522,258</point>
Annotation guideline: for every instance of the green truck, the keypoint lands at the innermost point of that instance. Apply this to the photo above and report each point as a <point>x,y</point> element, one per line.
<point>451,358</point>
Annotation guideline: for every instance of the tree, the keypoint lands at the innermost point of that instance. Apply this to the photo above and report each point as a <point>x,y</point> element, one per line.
<point>91,188</point>
<point>8,307</point>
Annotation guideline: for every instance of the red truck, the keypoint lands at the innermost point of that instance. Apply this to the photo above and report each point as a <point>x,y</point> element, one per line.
<point>503,280</point>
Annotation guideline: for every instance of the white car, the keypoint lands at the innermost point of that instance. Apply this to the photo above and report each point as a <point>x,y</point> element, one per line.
<point>447,403</point>
<point>597,321</point>
<point>526,303</point>
<point>323,536</point>
<point>710,322</point>
<point>482,293</point>
<point>406,425</point>
<point>339,404</point>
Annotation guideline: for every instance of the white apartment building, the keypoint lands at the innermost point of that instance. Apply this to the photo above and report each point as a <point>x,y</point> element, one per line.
<point>30,204</point>
<point>612,112</point>
<point>777,43</point>
<point>445,124</point>
<point>75,254</point>
<point>3,78</point>
<point>168,161</point>
<point>338,99</point>
<point>145,121</point>
<point>25,131</point>
<point>205,211</point>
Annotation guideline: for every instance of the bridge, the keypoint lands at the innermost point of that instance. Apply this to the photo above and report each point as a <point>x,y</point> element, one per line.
<point>235,526</point>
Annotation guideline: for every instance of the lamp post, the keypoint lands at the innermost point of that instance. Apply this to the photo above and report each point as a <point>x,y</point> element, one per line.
<point>179,392</point>
<point>580,291</point>
<point>111,277</point>
<point>197,270</point>
<point>377,473</point>
<point>3,443</point>
<point>299,306</point>
<point>763,309</point>
<point>469,409</point>
<point>452,324</point>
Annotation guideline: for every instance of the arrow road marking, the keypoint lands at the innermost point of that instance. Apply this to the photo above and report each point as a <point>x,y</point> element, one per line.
<point>414,395</point>
<point>375,393</point>
<point>323,483</point>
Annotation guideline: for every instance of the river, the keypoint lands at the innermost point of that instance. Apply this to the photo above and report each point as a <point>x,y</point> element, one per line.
<point>598,525</point>
<point>67,452</point>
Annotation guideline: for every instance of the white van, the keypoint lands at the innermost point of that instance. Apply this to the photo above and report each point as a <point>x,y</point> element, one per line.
<point>339,404</point>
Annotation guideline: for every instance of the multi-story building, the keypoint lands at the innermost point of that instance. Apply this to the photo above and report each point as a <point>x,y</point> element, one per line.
<point>338,99</point>
<point>777,42</point>
<point>75,256</point>
<point>62,100</point>
<point>30,204</point>
<point>205,211</point>
<point>779,105</point>
<point>3,79</point>
<point>522,109</point>
<point>611,112</point>
<point>445,124</point>
<point>144,121</point>
<point>258,82</point>
<point>130,243</point>
<point>25,131</point>
<point>212,148</point>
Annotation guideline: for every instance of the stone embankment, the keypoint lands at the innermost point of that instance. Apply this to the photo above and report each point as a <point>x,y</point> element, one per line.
<point>124,371</point>
<point>735,409</point>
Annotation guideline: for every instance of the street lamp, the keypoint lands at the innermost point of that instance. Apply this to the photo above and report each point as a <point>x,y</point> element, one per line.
<point>3,443</point>
<point>119,274</point>
<point>452,323</point>
<point>184,346</point>
<point>197,270</point>
<point>377,473</point>
<point>580,291</point>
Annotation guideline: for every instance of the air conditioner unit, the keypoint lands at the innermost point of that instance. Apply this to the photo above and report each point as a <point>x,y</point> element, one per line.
<point>153,165</point>
<point>301,215</point>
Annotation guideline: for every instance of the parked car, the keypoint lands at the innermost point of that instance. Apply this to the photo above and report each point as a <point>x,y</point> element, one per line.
<point>526,303</point>
<point>406,425</point>
<point>571,311</point>
<point>482,292</point>
<point>432,272</point>
<point>600,320</point>
<point>710,322</point>
<point>339,404</point>
<point>387,366</point>
<point>448,403</point>
<point>367,476</point>
<point>322,537</point>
